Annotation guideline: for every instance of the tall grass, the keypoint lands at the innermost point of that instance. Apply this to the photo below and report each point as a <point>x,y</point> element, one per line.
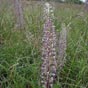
<point>75,72</point>
<point>20,54</point>
<point>20,51</point>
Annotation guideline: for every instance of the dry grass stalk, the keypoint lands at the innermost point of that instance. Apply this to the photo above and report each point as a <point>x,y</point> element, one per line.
<point>86,5</point>
<point>62,46</point>
<point>19,14</point>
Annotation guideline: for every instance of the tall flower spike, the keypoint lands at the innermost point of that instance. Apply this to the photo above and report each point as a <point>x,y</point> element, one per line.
<point>49,64</point>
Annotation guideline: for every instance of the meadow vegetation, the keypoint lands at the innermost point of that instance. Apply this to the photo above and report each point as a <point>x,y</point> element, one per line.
<point>20,50</point>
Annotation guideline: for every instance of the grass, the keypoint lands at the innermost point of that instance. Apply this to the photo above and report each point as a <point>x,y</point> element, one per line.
<point>20,50</point>
<point>74,74</point>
